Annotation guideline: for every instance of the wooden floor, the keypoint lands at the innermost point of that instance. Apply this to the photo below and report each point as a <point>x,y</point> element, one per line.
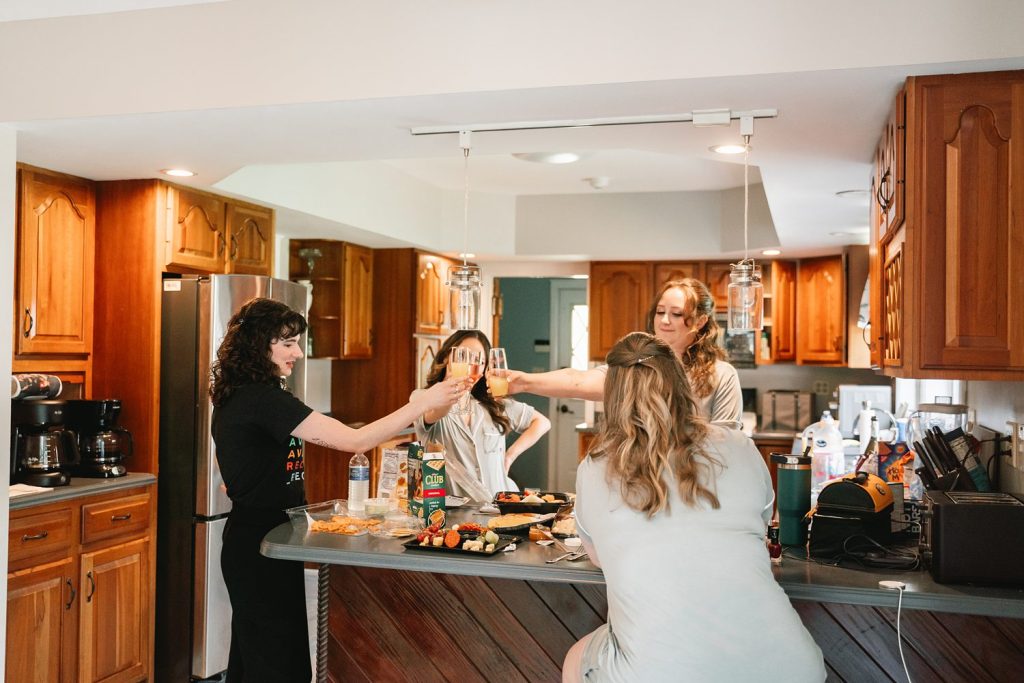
<point>389,625</point>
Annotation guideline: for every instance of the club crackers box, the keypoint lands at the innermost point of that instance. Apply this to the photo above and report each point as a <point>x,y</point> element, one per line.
<point>427,483</point>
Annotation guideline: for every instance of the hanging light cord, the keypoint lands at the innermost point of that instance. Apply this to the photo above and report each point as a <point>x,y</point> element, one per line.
<point>746,194</point>
<point>465,203</point>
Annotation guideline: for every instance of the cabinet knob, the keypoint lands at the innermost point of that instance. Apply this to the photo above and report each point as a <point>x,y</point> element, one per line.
<point>71,587</point>
<point>29,322</point>
<point>92,587</point>
<point>35,537</point>
<point>121,518</point>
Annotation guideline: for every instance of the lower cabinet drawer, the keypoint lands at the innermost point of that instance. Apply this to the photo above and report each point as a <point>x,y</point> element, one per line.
<point>115,517</point>
<point>36,535</point>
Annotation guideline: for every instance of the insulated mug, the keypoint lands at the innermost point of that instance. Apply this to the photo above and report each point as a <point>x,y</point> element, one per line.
<point>793,498</point>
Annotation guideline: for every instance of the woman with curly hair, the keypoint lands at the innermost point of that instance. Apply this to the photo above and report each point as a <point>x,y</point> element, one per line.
<point>674,511</point>
<point>682,315</point>
<point>259,429</point>
<point>477,440</point>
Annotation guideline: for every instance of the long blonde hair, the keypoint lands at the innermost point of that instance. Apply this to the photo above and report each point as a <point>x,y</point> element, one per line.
<point>699,359</point>
<point>652,432</point>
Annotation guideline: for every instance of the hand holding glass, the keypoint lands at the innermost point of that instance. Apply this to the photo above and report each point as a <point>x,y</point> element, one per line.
<point>497,378</point>
<point>465,363</point>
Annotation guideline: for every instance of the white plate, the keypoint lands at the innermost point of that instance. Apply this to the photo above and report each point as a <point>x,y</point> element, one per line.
<point>455,501</point>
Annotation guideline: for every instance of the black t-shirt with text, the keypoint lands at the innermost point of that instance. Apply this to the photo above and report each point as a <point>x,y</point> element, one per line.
<point>260,460</point>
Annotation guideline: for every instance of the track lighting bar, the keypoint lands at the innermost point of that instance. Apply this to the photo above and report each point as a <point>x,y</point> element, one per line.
<point>699,117</point>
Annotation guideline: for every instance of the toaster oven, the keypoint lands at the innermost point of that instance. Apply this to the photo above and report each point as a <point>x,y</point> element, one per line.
<point>970,536</point>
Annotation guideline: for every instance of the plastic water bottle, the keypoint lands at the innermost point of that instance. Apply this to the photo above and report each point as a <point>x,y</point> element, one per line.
<point>358,481</point>
<point>827,461</point>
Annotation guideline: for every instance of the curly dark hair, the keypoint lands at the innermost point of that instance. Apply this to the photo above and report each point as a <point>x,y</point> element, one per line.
<point>439,368</point>
<point>244,354</point>
<point>699,359</point>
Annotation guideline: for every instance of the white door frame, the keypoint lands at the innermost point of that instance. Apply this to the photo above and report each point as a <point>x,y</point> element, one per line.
<point>557,287</point>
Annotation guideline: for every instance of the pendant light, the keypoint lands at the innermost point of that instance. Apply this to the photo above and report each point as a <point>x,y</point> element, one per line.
<point>746,293</point>
<point>464,281</point>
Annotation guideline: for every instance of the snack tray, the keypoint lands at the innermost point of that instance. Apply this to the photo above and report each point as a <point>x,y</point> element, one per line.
<point>539,508</point>
<point>302,516</point>
<point>503,541</point>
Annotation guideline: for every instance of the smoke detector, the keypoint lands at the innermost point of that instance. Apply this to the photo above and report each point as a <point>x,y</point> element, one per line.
<point>598,182</point>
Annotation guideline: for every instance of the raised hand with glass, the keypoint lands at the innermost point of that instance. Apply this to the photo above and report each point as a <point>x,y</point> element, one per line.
<point>497,375</point>
<point>465,362</point>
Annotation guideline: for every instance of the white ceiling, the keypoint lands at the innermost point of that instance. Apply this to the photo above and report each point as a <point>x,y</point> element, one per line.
<point>207,115</point>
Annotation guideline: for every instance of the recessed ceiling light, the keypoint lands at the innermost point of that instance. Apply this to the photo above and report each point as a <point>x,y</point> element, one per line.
<point>178,172</point>
<point>771,252</point>
<point>549,157</point>
<point>729,149</point>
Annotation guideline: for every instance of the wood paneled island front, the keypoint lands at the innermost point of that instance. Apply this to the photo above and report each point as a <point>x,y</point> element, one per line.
<point>389,614</point>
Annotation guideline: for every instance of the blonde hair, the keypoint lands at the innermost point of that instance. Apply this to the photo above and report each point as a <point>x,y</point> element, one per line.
<point>652,432</point>
<point>699,359</point>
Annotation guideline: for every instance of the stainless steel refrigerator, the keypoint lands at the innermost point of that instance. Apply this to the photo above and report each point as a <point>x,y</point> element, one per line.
<point>193,614</point>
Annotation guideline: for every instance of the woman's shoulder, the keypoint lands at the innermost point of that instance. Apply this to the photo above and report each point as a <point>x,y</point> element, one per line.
<point>725,439</point>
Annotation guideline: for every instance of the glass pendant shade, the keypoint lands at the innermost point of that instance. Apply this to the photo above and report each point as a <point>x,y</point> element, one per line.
<point>464,287</point>
<point>746,297</point>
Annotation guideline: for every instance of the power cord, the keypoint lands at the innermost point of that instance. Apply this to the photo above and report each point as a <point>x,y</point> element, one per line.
<point>898,586</point>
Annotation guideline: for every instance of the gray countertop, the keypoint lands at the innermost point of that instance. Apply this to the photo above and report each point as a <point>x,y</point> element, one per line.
<point>81,486</point>
<point>802,580</point>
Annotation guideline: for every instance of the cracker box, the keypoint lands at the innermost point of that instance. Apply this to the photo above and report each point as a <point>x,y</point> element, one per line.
<point>393,481</point>
<point>426,485</point>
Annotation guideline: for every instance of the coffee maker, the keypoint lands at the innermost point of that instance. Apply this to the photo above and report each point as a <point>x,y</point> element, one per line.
<point>102,445</point>
<point>43,449</point>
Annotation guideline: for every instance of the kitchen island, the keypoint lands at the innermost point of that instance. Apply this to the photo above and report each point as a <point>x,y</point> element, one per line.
<point>392,611</point>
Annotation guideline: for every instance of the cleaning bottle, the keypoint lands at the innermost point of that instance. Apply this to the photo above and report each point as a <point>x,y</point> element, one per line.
<point>827,460</point>
<point>864,424</point>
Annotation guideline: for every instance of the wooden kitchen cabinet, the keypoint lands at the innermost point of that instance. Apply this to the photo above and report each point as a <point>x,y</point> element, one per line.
<point>821,311</point>
<point>250,239</point>
<point>889,184</point>
<point>210,234</point>
<point>779,279</point>
<point>950,289</point>
<point>341,307</point>
<point>716,276</point>
<point>56,236</point>
<point>676,270</point>
<point>432,315</point>
<point>619,297</point>
<point>80,589</point>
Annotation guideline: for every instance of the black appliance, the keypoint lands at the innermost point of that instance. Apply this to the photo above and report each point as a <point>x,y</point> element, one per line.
<point>853,514</point>
<point>102,445</point>
<point>970,536</point>
<point>43,449</point>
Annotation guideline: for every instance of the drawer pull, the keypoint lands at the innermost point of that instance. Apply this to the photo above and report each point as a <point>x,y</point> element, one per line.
<point>92,587</point>
<point>35,537</point>
<point>120,518</point>
<point>71,588</point>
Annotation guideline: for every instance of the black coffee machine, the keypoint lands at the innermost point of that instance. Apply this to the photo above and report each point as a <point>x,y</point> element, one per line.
<point>102,445</point>
<point>43,449</point>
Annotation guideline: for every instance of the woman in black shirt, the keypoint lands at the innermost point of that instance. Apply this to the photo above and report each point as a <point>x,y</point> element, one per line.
<point>259,429</point>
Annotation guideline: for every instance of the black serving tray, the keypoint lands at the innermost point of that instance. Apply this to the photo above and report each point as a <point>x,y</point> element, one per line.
<point>413,544</point>
<point>538,508</point>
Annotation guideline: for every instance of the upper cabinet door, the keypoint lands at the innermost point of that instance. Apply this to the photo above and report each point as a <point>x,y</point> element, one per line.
<point>890,183</point>
<point>196,239</point>
<point>970,137</point>
<point>431,295</point>
<point>821,311</point>
<point>56,242</point>
<point>357,306</point>
<point>717,280</point>
<point>783,332</point>
<point>250,231</point>
<point>620,294</point>
<point>677,270</point>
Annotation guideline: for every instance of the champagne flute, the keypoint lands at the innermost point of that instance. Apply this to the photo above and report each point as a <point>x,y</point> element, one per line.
<point>459,366</point>
<point>497,381</point>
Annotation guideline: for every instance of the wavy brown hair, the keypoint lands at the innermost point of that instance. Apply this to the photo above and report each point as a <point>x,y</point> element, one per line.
<point>699,359</point>
<point>439,369</point>
<point>244,355</point>
<point>652,431</point>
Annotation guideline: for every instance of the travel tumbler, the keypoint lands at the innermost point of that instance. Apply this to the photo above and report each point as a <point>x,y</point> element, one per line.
<point>793,498</point>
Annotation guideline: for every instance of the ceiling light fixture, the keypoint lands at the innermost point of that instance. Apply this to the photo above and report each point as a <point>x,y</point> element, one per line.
<point>549,157</point>
<point>771,252</point>
<point>178,172</point>
<point>598,182</point>
<point>746,294</point>
<point>464,281</point>
<point>728,149</point>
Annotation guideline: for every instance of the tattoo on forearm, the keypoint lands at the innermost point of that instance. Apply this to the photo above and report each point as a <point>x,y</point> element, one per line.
<point>321,442</point>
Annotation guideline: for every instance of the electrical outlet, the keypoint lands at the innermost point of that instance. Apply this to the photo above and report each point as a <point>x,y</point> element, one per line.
<point>821,387</point>
<point>1016,443</point>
